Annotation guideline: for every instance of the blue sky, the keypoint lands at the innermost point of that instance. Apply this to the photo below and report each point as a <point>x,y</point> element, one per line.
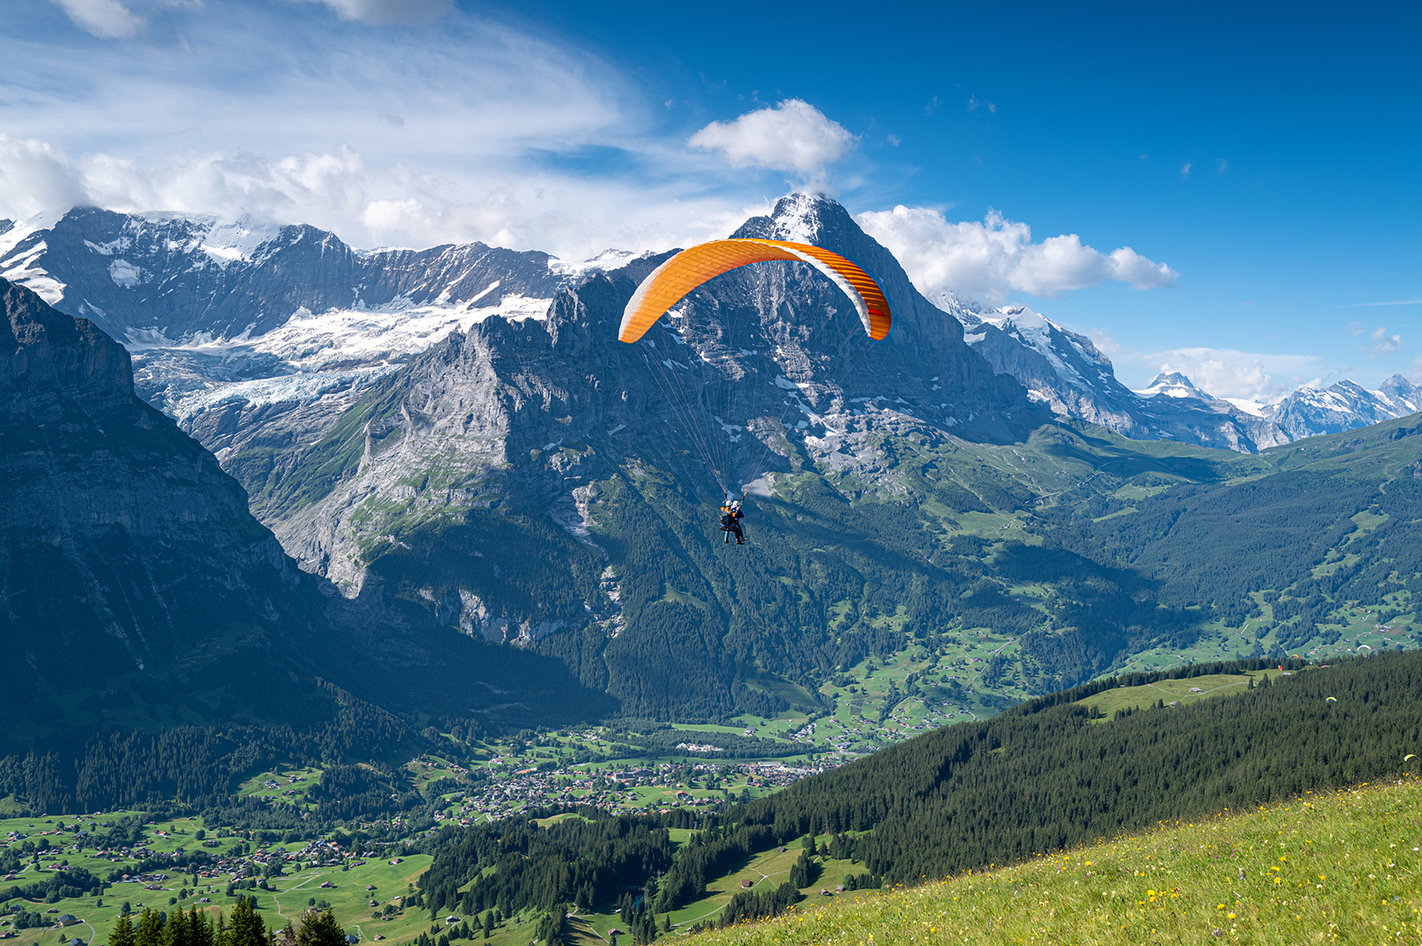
<point>1229,190</point>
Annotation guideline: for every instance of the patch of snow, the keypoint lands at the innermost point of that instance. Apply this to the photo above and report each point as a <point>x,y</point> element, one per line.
<point>125,274</point>
<point>1253,408</point>
<point>606,260</point>
<point>337,338</point>
<point>284,389</point>
<point>798,223</point>
<point>1173,384</point>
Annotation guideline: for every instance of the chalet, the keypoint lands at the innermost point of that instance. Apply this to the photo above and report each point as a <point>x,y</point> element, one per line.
<point>747,883</point>
<point>66,919</point>
<point>451,919</point>
<point>328,885</point>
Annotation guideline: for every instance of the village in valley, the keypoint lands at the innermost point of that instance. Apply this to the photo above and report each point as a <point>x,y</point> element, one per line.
<point>95,866</point>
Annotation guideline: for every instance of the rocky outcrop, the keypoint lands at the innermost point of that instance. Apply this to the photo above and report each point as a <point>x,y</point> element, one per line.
<point>130,564</point>
<point>1065,371</point>
<point>125,544</point>
<point>1345,405</point>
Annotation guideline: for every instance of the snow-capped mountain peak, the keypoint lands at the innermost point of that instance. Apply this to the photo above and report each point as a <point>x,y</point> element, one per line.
<point>797,218</point>
<point>1173,384</point>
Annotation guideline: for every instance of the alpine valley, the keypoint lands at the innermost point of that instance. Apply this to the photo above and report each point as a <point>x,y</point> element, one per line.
<point>451,442</point>
<point>316,550</point>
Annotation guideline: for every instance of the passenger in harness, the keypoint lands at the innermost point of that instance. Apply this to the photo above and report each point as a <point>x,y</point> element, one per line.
<point>731,516</point>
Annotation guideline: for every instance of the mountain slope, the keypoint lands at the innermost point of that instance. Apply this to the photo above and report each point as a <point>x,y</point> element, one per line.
<point>1066,372</point>
<point>139,590</point>
<point>252,334</point>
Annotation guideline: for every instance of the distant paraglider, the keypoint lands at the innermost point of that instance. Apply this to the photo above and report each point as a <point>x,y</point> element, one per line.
<point>1332,699</point>
<point>1409,757</point>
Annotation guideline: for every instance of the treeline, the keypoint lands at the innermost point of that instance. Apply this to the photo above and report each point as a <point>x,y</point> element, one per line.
<point>196,768</point>
<point>583,859</point>
<point>245,927</point>
<point>199,766</point>
<point>1041,777</point>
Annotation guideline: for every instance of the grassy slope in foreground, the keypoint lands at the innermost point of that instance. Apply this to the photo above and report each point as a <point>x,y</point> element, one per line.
<point>1343,867</point>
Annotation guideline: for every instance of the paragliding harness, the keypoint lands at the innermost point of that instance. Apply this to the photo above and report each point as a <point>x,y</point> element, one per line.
<point>731,517</point>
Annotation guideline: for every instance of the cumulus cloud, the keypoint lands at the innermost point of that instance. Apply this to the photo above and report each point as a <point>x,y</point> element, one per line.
<point>791,136</point>
<point>34,177</point>
<point>1239,375</point>
<point>108,19</point>
<point>370,204</point>
<point>389,11</point>
<point>988,260</point>
<point>1381,343</point>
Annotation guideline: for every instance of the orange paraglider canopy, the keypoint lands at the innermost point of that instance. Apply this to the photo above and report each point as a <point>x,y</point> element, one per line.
<point>688,269</point>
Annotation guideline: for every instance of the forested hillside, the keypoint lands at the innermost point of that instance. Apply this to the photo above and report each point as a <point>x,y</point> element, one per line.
<point>1043,776</point>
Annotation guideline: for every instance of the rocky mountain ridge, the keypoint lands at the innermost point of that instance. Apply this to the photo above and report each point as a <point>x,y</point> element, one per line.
<point>1065,371</point>
<point>136,584</point>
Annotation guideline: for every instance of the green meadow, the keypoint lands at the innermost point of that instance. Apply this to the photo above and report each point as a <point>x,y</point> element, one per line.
<point>1344,867</point>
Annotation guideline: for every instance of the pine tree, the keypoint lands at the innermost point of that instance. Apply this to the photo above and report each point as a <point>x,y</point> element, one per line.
<point>320,929</point>
<point>175,931</point>
<point>150,929</point>
<point>122,934</point>
<point>247,927</point>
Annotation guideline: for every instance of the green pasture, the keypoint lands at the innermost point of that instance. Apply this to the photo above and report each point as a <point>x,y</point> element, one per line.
<point>1337,868</point>
<point>1174,691</point>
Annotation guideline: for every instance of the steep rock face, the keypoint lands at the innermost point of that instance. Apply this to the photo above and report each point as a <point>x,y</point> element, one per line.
<point>184,276</point>
<point>1065,371</point>
<point>125,545</point>
<point>1060,369</point>
<point>535,482</point>
<point>761,371</point>
<point>131,568</point>
<point>1345,405</point>
<point>256,336</point>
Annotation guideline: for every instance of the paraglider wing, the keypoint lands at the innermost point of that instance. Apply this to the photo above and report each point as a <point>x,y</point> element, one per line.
<point>1409,757</point>
<point>672,280</point>
<point>1332,699</point>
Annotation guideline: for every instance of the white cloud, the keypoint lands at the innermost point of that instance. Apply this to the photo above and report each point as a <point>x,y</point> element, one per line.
<point>1227,373</point>
<point>990,259</point>
<point>1382,343</point>
<point>371,205</point>
<point>109,19</point>
<point>389,11</point>
<point>35,177</point>
<point>791,136</point>
<point>1363,305</point>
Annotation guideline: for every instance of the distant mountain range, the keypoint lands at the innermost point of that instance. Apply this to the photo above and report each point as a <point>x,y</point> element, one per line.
<point>138,589</point>
<point>235,324</point>
<point>453,445</point>
<point>1065,371</point>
